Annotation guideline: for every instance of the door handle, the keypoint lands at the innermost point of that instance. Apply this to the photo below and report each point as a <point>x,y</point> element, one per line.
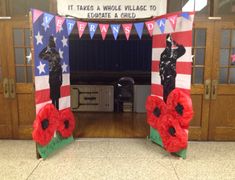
<point>6,88</point>
<point>207,89</point>
<point>214,89</point>
<point>12,88</point>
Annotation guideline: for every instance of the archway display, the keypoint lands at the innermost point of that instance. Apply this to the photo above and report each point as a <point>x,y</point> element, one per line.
<point>169,108</point>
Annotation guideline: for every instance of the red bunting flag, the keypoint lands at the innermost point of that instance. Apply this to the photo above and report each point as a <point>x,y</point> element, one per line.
<point>172,20</point>
<point>127,29</point>
<point>104,29</point>
<point>150,25</point>
<point>59,21</point>
<point>36,14</point>
<point>81,27</point>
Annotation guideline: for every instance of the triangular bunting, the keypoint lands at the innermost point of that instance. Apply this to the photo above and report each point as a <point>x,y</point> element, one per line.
<point>127,30</point>
<point>162,24</point>
<point>92,29</point>
<point>104,29</point>
<point>36,14</point>
<point>70,24</point>
<point>150,25</point>
<point>139,28</point>
<point>59,21</point>
<point>173,20</point>
<point>185,15</point>
<point>81,27</point>
<point>46,20</point>
<point>115,29</point>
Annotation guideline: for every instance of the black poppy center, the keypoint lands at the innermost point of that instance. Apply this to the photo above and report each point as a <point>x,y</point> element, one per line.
<point>157,112</point>
<point>179,109</point>
<point>172,131</point>
<point>66,124</point>
<point>45,124</point>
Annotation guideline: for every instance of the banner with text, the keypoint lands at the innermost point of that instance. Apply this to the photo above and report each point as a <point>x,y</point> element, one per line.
<point>111,9</point>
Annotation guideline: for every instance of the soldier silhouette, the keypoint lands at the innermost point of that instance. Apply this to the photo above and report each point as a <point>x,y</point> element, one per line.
<point>167,65</point>
<point>51,55</point>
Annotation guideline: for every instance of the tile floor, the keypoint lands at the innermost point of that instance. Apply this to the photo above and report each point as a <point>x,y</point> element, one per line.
<point>117,159</point>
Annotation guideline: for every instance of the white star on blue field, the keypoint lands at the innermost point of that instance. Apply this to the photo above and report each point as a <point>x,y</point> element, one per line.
<point>42,32</point>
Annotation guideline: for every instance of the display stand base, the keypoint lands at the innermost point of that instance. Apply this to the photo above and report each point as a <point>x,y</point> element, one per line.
<point>56,143</point>
<point>155,137</point>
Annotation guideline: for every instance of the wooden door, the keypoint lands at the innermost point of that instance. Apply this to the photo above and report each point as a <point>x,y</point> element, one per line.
<point>222,109</point>
<point>20,78</point>
<point>5,113</point>
<point>202,51</point>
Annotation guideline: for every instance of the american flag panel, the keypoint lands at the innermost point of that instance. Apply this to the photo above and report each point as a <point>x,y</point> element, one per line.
<point>41,35</point>
<point>182,34</point>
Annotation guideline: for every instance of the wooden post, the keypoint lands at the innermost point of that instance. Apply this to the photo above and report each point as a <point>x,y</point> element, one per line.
<point>32,52</point>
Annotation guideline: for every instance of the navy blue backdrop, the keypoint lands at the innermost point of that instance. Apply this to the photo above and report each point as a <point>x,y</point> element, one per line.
<point>110,56</point>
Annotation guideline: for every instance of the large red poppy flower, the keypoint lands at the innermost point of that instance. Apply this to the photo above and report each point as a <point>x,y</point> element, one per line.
<point>45,124</point>
<point>174,137</point>
<point>156,108</point>
<point>180,106</point>
<point>66,123</point>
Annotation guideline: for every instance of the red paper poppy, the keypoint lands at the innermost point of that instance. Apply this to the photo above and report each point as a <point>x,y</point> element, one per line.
<point>174,138</point>
<point>66,123</point>
<point>45,124</point>
<point>180,106</point>
<point>156,108</point>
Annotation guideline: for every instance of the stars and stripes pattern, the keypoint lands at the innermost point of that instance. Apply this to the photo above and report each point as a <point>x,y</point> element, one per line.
<point>44,25</point>
<point>182,34</point>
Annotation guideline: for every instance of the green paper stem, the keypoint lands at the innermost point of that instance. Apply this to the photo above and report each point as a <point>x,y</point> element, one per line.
<point>56,143</point>
<point>155,137</point>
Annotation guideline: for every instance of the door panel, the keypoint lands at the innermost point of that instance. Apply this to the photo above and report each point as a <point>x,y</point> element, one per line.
<point>202,50</point>
<point>20,63</point>
<point>222,114</point>
<point>5,114</point>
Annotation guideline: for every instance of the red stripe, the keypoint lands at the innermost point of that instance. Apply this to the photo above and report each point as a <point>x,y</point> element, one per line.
<point>181,67</point>
<point>183,38</point>
<point>155,66</point>
<point>44,95</point>
<point>184,68</point>
<point>157,89</point>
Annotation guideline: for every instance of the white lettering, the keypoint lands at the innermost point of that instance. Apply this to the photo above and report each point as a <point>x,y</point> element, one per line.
<point>172,19</point>
<point>92,28</point>
<point>150,26</point>
<point>161,23</point>
<point>59,23</point>
<point>70,25</point>
<point>115,29</point>
<point>103,29</point>
<point>127,29</point>
<point>81,27</point>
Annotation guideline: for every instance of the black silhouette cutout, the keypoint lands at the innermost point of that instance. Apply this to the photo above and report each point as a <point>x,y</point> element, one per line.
<point>167,65</point>
<point>51,55</point>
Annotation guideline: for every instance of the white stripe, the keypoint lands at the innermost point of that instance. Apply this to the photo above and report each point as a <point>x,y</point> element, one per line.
<point>64,103</point>
<point>39,106</point>
<point>182,80</point>
<point>182,24</point>
<point>187,57</point>
<point>42,82</point>
<point>155,78</point>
